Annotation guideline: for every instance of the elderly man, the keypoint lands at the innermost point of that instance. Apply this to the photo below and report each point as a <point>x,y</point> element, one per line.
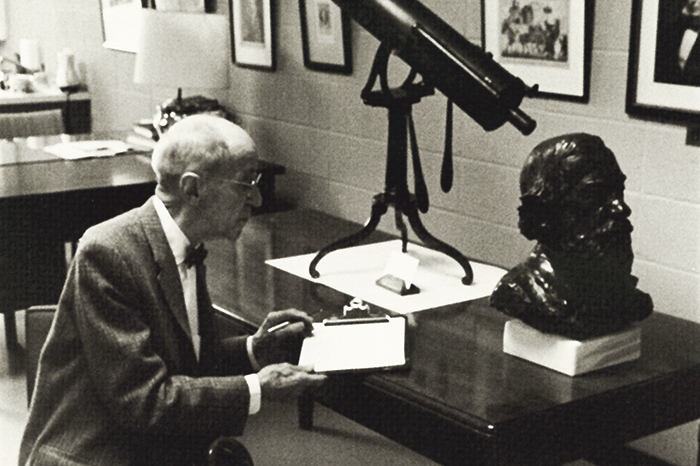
<point>577,281</point>
<point>133,371</point>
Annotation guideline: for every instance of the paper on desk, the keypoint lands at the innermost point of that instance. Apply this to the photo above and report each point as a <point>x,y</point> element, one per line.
<point>86,149</point>
<point>354,271</point>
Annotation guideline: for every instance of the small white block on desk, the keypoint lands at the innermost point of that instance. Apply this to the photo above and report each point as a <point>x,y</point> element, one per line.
<point>571,357</point>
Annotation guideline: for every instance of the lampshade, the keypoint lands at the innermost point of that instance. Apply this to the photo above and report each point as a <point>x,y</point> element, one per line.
<point>179,49</point>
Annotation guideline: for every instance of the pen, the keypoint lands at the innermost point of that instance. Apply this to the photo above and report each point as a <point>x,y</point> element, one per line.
<point>280,326</point>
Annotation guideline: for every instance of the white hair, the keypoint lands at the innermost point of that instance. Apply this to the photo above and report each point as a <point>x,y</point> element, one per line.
<point>198,143</point>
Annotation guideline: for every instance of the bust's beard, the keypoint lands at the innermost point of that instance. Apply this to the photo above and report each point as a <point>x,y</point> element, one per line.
<point>603,255</point>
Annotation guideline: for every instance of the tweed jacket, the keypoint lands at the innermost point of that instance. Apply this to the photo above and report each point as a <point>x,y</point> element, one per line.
<point>118,380</point>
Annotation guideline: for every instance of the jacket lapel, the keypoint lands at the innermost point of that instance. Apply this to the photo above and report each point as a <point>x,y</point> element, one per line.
<point>168,275</point>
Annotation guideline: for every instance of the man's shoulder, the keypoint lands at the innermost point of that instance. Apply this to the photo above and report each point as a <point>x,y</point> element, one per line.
<point>126,224</point>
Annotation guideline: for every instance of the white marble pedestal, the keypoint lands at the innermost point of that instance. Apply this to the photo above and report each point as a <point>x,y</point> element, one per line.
<point>571,357</point>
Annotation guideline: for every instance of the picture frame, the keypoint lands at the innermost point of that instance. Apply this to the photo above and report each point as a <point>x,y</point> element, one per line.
<point>546,43</point>
<point>326,36</point>
<point>120,20</point>
<point>252,44</point>
<point>194,6</point>
<point>658,85</point>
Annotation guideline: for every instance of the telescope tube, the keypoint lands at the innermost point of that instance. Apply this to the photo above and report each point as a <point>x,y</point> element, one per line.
<point>446,60</point>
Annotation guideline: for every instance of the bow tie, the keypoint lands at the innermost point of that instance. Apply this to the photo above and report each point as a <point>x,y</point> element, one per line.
<point>195,256</point>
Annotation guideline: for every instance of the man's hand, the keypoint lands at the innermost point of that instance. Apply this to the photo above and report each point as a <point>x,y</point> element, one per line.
<point>282,381</point>
<point>281,345</point>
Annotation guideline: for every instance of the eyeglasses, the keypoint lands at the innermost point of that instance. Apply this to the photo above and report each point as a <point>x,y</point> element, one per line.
<point>248,184</point>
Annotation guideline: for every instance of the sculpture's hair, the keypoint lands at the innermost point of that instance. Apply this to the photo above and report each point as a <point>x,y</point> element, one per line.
<point>550,171</point>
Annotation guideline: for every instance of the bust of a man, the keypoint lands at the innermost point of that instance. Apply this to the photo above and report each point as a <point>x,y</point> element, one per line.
<point>577,281</point>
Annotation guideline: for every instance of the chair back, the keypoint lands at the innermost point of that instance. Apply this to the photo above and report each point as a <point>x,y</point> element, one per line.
<point>36,123</point>
<point>37,322</point>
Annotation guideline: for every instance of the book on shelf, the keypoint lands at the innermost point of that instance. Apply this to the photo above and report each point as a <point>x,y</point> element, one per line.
<point>143,134</point>
<point>145,128</point>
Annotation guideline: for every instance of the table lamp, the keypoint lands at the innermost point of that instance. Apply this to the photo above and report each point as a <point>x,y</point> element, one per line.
<point>182,49</point>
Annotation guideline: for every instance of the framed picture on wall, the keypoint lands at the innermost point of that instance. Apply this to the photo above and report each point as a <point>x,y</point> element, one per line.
<point>195,6</point>
<point>251,34</point>
<point>120,24</point>
<point>664,61</point>
<point>206,6</point>
<point>325,35</point>
<point>543,42</point>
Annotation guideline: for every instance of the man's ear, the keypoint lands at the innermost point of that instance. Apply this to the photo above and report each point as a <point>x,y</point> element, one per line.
<point>190,186</point>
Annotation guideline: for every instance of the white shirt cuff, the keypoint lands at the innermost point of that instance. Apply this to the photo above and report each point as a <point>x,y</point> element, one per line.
<point>255,394</point>
<point>251,356</point>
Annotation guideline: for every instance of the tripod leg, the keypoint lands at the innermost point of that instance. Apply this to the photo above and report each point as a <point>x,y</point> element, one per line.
<point>434,243</point>
<point>379,208</point>
<point>401,226</point>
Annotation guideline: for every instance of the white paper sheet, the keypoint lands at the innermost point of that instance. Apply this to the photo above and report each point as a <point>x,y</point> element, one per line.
<point>351,347</point>
<point>354,271</point>
<point>86,149</point>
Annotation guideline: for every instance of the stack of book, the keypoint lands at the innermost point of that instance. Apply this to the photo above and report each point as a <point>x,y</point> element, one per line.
<point>143,134</point>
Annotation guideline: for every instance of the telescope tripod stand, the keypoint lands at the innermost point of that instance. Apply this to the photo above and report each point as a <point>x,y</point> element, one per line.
<point>399,102</point>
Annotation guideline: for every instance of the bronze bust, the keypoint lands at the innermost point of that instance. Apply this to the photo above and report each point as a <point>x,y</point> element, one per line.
<point>577,281</point>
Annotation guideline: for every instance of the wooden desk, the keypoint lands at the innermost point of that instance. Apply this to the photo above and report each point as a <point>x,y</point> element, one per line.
<point>45,202</point>
<point>465,401</point>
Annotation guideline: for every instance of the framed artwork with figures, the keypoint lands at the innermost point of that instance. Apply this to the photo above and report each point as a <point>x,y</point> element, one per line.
<point>543,42</point>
